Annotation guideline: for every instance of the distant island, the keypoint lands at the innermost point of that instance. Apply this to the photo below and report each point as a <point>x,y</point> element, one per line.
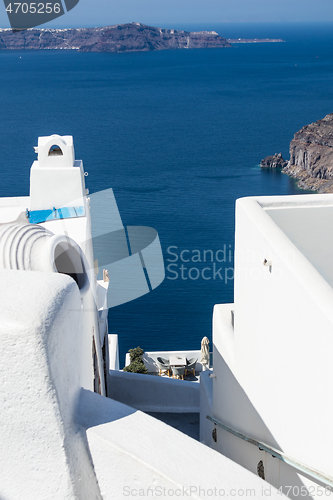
<point>311,156</point>
<point>131,37</point>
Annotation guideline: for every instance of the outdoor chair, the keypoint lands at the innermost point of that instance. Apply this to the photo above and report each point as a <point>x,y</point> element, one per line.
<point>163,366</point>
<point>190,367</point>
<point>178,372</point>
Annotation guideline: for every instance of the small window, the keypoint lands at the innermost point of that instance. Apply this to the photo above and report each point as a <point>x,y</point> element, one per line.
<point>261,469</point>
<point>55,151</point>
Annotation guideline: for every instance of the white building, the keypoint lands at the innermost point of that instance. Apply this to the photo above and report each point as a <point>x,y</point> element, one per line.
<point>61,437</point>
<point>273,347</point>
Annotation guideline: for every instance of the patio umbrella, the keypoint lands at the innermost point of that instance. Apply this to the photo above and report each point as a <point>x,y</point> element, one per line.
<point>205,353</point>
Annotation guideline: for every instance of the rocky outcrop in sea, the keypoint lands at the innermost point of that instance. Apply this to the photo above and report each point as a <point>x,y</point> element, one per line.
<point>311,156</point>
<point>275,161</point>
<point>131,37</point>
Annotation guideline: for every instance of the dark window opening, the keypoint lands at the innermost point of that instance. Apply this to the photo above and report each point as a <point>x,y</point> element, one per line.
<point>97,381</point>
<point>55,151</point>
<point>68,261</point>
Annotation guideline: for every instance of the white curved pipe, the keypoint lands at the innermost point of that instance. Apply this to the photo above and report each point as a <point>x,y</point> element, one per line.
<point>30,247</point>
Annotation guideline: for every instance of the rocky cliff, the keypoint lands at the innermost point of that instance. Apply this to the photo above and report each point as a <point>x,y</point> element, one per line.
<point>119,38</point>
<point>311,156</point>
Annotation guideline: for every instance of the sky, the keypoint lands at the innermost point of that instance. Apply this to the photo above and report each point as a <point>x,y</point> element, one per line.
<point>91,13</point>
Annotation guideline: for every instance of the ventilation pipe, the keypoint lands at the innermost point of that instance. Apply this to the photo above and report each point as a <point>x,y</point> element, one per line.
<point>30,247</point>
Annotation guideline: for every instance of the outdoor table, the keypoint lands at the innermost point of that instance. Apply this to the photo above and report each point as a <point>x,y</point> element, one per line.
<point>177,361</point>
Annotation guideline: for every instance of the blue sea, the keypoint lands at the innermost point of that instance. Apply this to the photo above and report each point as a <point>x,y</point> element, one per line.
<point>179,136</point>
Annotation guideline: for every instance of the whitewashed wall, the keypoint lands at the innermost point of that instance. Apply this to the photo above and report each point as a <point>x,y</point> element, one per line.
<point>274,383</point>
<point>42,454</point>
<point>113,351</point>
<point>154,394</point>
<point>137,456</point>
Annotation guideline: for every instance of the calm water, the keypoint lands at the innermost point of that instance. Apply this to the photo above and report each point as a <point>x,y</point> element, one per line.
<point>179,136</point>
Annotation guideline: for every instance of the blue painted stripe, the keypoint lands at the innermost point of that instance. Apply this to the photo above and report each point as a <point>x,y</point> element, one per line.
<point>38,216</point>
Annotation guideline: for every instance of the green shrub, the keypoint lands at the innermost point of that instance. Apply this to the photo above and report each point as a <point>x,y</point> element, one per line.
<point>137,365</point>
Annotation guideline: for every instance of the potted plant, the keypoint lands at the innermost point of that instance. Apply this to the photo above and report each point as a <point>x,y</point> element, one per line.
<point>136,365</point>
